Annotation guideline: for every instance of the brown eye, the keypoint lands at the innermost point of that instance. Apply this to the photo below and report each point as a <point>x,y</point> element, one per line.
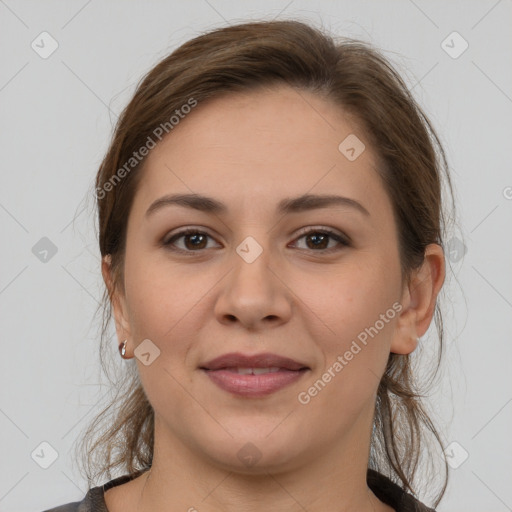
<point>319,239</point>
<point>193,240</point>
<point>196,241</point>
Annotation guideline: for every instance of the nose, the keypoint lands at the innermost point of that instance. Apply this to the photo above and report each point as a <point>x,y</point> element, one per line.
<point>253,294</point>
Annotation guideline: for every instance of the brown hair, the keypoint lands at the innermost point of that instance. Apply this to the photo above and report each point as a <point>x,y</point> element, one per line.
<point>345,72</point>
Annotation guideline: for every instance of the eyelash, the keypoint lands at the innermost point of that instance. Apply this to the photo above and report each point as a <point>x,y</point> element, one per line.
<point>343,241</point>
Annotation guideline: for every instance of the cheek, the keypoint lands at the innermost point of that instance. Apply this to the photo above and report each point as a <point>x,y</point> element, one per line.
<point>355,306</point>
<point>163,307</point>
<point>169,305</point>
<point>352,298</point>
<point>160,294</point>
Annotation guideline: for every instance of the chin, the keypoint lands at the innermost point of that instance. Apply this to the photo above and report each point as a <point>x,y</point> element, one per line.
<point>252,451</point>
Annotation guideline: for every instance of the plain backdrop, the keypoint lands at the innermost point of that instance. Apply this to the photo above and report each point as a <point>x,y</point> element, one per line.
<point>57,115</point>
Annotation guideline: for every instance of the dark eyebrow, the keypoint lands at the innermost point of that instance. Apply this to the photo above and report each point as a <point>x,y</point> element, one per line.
<point>312,201</point>
<point>293,205</point>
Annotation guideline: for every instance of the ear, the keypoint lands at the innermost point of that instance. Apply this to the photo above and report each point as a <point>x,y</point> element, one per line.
<point>118,303</point>
<point>419,301</point>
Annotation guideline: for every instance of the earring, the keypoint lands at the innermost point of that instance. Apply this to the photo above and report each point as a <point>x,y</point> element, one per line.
<point>122,348</point>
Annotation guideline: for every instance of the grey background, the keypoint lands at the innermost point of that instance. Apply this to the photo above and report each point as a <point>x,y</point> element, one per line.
<point>56,120</point>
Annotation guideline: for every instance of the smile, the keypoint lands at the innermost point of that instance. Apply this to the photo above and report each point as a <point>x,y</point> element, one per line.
<point>253,375</point>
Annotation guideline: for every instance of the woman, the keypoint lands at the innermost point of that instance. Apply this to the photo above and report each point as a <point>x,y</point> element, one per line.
<point>271,229</point>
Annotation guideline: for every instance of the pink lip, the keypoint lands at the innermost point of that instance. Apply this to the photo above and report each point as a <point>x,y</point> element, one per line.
<point>265,360</point>
<point>222,371</point>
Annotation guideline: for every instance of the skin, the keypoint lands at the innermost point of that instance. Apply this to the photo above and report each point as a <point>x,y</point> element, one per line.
<point>249,151</point>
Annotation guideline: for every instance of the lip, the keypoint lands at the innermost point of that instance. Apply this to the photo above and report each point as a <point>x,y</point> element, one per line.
<point>222,372</point>
<point>265,360</point>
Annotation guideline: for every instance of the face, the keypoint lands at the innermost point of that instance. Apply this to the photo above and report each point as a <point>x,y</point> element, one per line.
<point>317,282</point>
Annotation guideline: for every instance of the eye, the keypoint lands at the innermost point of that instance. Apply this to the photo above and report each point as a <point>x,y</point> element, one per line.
<point>318,239</point>
<point>194,240</point>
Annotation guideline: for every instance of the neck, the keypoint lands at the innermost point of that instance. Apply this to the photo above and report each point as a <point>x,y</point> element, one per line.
<point>181,477</point>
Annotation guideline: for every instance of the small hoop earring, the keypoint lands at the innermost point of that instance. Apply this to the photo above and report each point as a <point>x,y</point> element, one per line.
<point>122,348</point>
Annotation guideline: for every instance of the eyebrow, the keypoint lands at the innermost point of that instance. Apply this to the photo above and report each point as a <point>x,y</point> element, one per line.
<point>291,205</point>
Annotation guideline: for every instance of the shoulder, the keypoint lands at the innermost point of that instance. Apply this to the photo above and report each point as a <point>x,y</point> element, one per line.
<point>94,500</point>
<point>385,489</point>
<point>70,507</point>
<point>393,495</point>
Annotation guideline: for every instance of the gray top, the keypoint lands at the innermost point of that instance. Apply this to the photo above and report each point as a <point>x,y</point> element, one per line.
<point>386,490</point>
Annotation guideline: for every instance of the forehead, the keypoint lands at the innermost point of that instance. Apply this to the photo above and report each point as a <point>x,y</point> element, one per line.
<point>261,146</point>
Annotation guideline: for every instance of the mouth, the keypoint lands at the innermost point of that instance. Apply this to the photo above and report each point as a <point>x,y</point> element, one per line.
<point>253,376</point>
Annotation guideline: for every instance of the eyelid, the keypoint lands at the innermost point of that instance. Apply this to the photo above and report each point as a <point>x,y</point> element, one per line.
<point>185,231</point>
<point>324,229</point>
